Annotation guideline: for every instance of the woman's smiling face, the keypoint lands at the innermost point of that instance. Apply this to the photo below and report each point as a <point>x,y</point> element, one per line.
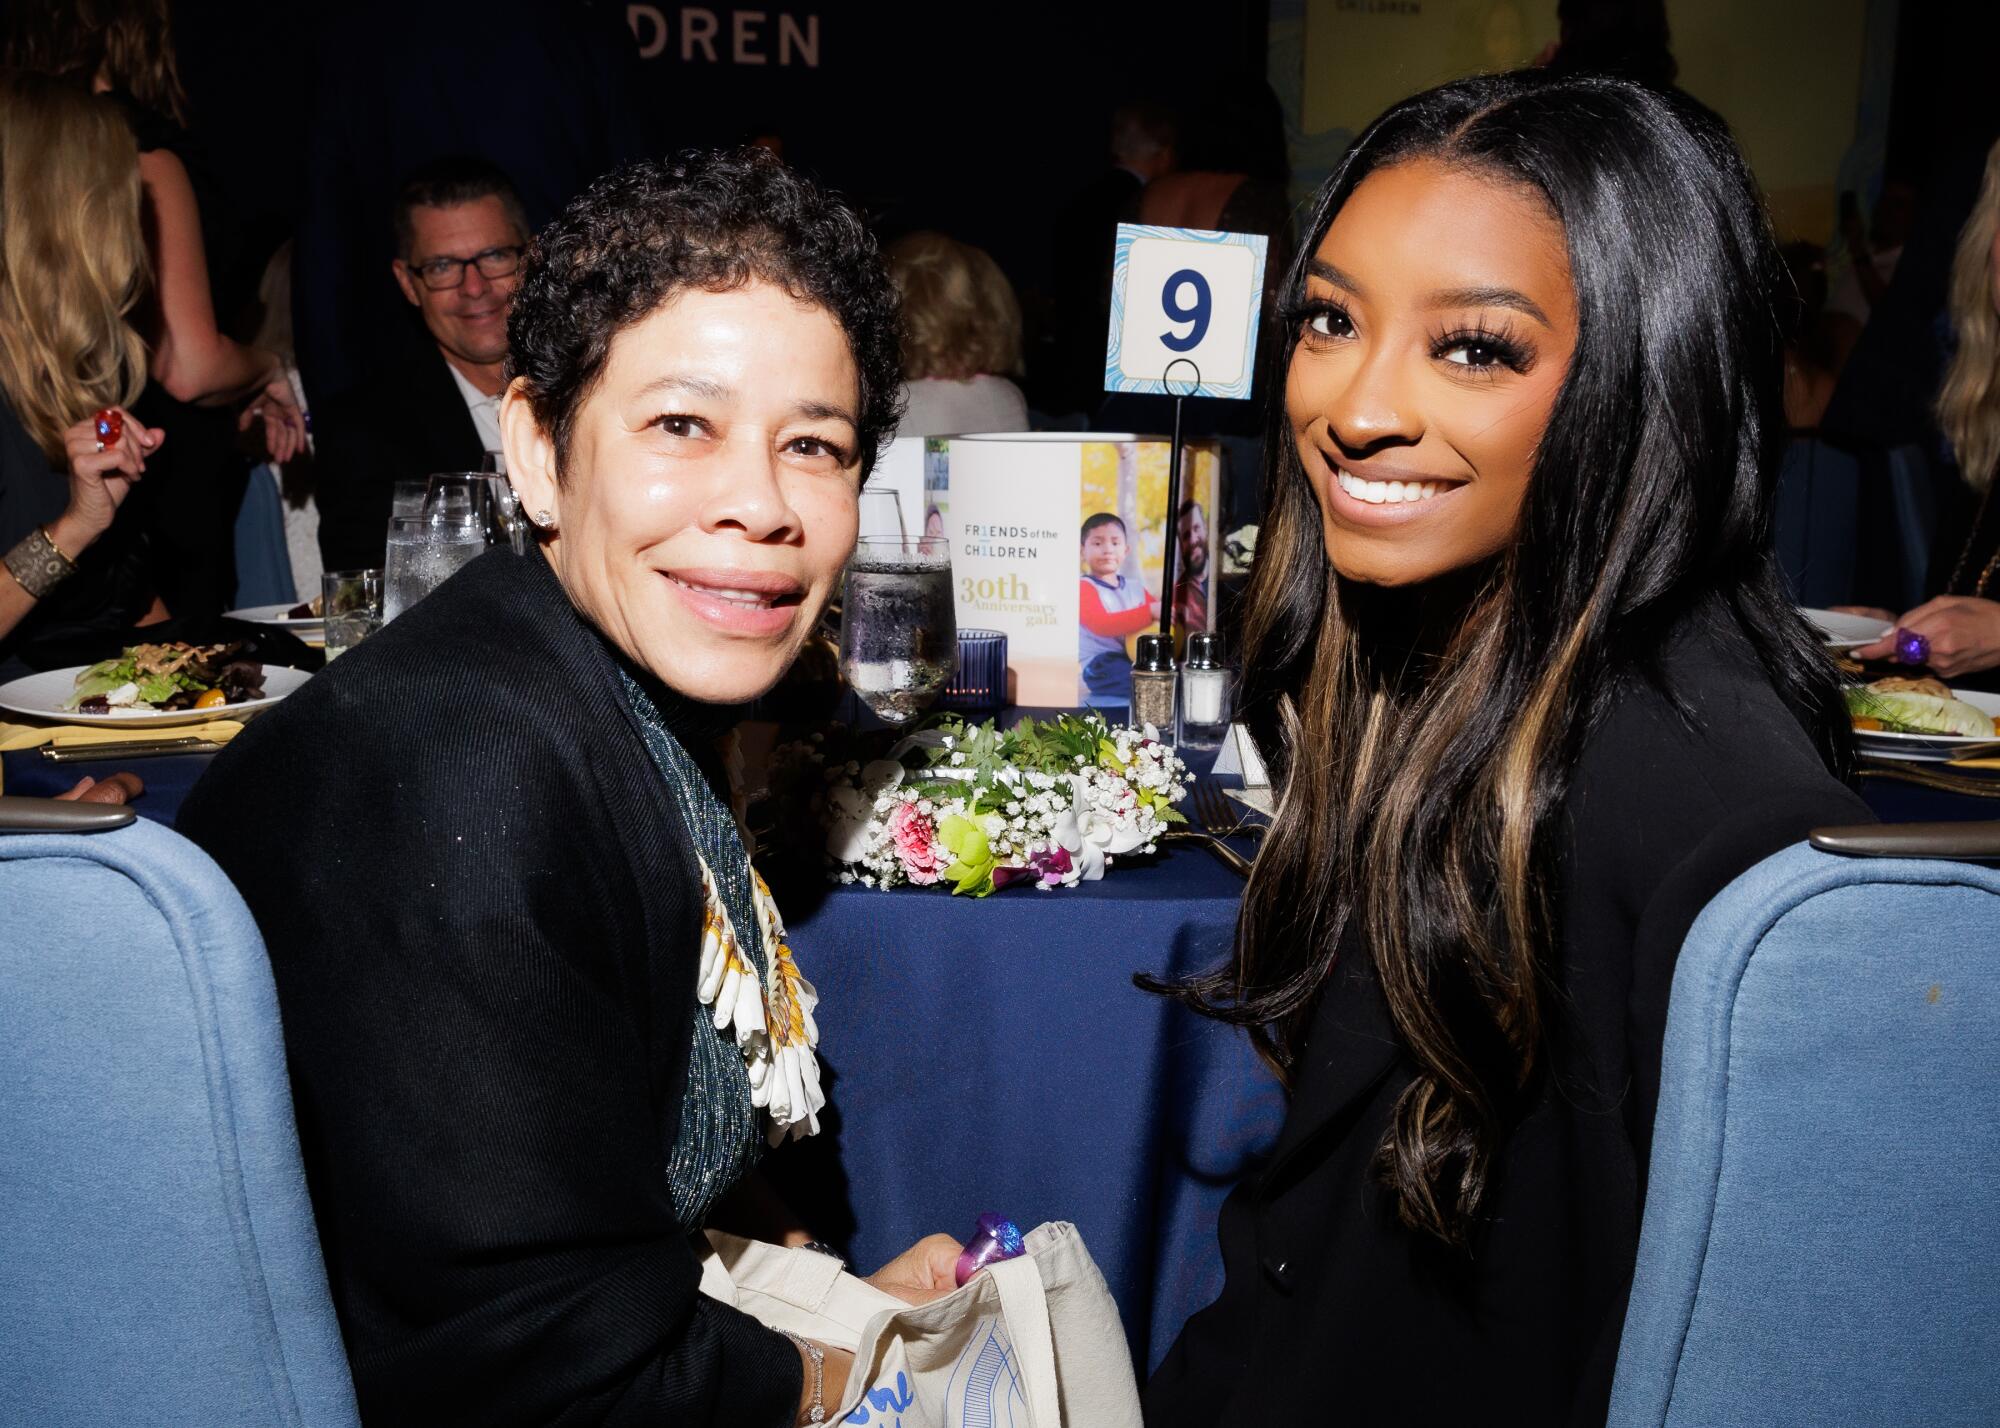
<point>710,498</point>
<point>1439,323</point>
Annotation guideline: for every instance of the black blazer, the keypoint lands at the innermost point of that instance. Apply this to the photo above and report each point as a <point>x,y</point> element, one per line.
<point>406,422</point>
<point>483,917</point>
<point>1332,1311</point>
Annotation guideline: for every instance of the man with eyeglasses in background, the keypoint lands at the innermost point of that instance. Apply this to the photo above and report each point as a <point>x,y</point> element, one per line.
<point>460,234</point>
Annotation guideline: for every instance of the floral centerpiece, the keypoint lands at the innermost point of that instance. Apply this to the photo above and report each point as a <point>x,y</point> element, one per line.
<point>1049,803</point>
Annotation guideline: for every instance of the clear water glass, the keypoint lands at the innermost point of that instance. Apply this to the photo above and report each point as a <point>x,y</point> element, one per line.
<point>423,554</point>
<point>480,496</point>
<point>408,498</point>
<point>459,496</point>
<point>881,513</point>
<point>352,600</point>
<point>898,626</point>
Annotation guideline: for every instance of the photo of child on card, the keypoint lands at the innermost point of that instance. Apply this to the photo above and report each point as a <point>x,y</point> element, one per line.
<point>1113,605</point>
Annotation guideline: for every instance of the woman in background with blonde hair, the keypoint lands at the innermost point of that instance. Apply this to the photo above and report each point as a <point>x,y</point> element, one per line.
<point>207,386</point>
<point>962,338</point>
<point>72,266</point>
<point>1957,632</point>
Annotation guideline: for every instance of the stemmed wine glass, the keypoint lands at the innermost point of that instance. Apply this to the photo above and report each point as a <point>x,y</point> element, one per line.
<point>898,628</point>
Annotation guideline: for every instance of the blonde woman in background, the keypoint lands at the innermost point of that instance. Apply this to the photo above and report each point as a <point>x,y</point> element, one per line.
<point>1957,632</point>
<point>72,266</point>
<point>124,49</point>
<point>206,386</point>
<point>962,338</point>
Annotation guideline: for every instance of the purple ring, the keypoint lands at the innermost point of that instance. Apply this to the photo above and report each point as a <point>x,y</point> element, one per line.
<point>1911,647</point>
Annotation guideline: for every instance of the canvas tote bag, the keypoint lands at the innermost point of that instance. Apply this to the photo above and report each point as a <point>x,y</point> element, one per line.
<point>1032,1342</point>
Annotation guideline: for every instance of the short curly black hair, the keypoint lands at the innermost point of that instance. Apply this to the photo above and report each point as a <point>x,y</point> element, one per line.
<point>702,219</point>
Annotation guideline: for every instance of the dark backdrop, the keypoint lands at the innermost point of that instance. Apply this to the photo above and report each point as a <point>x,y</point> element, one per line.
<point>977,117</point>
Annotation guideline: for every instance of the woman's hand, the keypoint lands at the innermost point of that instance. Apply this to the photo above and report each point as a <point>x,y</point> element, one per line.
<point>925,1271</point>
<point>1867,612</point>
<point>1964,633</point>
<point>277,407</point>
<point>99,480</point>
<point>118,788</point>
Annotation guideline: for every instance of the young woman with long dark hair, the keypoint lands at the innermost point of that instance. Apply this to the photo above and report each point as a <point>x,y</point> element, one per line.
<point>1533,693</point>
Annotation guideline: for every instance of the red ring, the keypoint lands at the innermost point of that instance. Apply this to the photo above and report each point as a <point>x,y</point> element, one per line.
<point>110,424</point>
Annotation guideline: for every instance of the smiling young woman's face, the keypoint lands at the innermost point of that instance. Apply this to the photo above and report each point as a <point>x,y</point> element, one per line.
<point>1440,321</point>
<point>711,494</point>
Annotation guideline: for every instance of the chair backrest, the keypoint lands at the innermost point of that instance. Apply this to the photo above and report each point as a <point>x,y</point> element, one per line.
<point>1822,1228</point>
<point>158,1260</point>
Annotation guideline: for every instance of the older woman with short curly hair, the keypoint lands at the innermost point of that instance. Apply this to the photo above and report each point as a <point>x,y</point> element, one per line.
<point>540,1013</point>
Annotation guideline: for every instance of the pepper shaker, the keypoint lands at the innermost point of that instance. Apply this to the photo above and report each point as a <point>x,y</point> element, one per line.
<point>1154,677</point>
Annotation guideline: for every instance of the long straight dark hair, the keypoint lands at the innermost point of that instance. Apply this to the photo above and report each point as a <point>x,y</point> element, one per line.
<point>1425,812</point>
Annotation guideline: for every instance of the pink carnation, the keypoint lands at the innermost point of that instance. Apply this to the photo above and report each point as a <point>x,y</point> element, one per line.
<point>916,842</point>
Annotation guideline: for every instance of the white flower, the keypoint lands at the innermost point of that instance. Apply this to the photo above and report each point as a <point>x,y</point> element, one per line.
<point>881,775</point>
<point>847,829</point>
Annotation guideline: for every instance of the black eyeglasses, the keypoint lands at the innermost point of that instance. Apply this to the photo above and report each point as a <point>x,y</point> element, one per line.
<point>441,273</point>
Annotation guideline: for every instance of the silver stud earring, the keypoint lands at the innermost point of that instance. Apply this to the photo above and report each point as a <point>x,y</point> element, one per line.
<point>545,518</point>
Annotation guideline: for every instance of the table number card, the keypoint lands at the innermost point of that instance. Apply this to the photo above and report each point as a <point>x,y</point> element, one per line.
<point>1184,293</point>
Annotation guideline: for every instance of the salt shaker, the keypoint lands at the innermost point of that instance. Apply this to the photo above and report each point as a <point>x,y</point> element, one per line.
<point>1153,679</point>
<point>1205,694</point>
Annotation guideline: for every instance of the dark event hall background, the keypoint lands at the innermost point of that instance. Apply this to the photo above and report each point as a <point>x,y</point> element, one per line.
<point>980,119</point>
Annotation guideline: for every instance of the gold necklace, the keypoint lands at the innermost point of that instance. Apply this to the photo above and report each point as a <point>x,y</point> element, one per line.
<point>1972,539</point>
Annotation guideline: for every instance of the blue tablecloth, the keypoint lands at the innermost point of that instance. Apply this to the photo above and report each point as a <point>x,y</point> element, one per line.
<point>167,780</point>
<point>993,1054</point>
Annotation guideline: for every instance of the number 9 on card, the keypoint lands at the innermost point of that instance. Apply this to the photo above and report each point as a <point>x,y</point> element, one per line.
<point>1184,293</point>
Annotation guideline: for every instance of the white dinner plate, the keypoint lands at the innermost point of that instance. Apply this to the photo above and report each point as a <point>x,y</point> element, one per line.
<point>274,615</point>
<point>1846,632</point>
<point>1930,748</point>
<point>43,696</point>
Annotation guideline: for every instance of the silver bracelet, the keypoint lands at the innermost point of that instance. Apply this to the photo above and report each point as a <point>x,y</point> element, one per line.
<point>816,1410</point>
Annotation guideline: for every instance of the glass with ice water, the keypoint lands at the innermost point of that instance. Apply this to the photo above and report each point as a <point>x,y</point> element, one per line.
<point>352,602</point>
<point>898,628</point>
<point>423,554</point>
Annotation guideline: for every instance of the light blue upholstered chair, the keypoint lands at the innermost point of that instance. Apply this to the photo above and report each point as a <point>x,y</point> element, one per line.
<point>1821,1242</point>
<point>158,1260</point>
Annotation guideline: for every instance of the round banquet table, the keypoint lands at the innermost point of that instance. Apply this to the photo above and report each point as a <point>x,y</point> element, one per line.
<point>993,1054</point>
